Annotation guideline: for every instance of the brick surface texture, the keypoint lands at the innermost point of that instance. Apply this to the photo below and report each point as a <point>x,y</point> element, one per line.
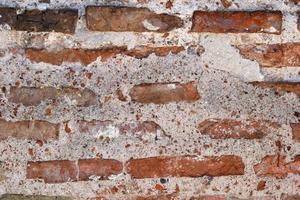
<point>150,100</point>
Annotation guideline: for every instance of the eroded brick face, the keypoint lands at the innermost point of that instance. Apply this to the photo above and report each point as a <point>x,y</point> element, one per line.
<point>237,22</point>
<point>31,96</point>
<point>162,93</point>
<point>185,166</point>
<point>33,130</point>
<point>129,19</point>
<point>57,171</point>
<point>274,55</point>
<point>293,87</point>
<point>40,21</point>
<point>230,128</point>
<point>276,166</point>
<point>86,56</point>
<point>296,131</point>
<point>102,168</point>
<point>32,197</point>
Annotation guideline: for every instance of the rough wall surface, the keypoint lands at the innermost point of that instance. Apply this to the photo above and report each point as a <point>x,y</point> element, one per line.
<point>150,99</point>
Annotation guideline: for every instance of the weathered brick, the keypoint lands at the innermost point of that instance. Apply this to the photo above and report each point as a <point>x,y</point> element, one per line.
<point>129,19</point>
<point>155,197</point>
<point>63,20</point>
<point>54,171</point>
<point>230,128</point>
<point>98,128</point>
<point>99,167</point>
<point>32,197</point>
<point>8,16</point>
<point>293,87</point>
<point>162,93</point>
<point>35,130</point>
<point>275,165</point>
<point>296,131</point>
<point>185,166</point>
<point>290,197</point>
<point>209,197</point>
<point>87,56</point>
<point>32,96</point>
<point>237,22</point>
<point>273,55</point>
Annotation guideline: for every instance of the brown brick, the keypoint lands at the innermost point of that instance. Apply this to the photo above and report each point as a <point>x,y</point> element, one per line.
<point>87,56</point>
<point>8,16</point>
<point>275,165</point>
<point>35,130</point>
<point>99,167</point>
<point>290,197</point>
<point>162,93</point>
<point>123,19</point>
<point>296,131</point>
<point>280,86</point>
<point>40,21</point>
<point>273,55</point>
<point>185,166</point>
<point>230,128</point>
<point>237,22</point>
<point>140,128</point>
<point>31,96</point>
<point>55,171</point>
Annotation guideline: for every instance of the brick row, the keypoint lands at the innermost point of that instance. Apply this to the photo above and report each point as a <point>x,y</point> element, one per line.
<point>132,19</point>
<point>58,171</point>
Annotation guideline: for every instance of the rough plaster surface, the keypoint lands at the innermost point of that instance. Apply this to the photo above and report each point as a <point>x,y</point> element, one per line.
<point>220,72</point>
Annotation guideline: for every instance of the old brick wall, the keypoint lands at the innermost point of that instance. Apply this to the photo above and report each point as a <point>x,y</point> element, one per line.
<point>150,99</point>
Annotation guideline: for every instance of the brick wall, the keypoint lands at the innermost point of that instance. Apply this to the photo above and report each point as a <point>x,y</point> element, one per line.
<point>150,100</point>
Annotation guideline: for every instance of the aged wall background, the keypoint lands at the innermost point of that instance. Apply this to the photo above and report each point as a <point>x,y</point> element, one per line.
<point>150,99</point>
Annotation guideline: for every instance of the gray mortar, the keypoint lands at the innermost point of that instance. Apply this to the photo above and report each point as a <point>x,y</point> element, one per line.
<point>220,72</point>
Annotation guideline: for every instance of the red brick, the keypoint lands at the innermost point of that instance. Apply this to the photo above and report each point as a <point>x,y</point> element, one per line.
<point>99,167</point>
<point>237,22</point>
<point>63,20</point>
<point>185,166</point>
<point>296,131</point>
<point>87,56</point>
<point>32,96</point>
<point>230,128</point>
<point>56,171</point>
<point>32,130</point>
<point>275,165</point>
<point>280,86</point>
<point>261,185</point>
<point>273,55</point>
<point>123,19</point>
<point>226,3</point>
<point>162,93</point>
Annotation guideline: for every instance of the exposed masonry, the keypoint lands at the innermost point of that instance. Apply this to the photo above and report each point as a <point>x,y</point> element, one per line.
<point>153,97</point>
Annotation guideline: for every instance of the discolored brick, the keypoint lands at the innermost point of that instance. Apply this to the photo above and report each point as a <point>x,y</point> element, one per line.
<point>54,171</point>
<point>231,128</point>
<point>273,55</point>
<point>293,87</point>
<point>32,130</point>
<point>102,168</point>
<point>63,20</point>
<point>87,56</point>
<point>276,166</point>
<point>237,22</point>
<point>296,131</point>
<point>131,19</point>
<point>162,93</point>
<point>32,96</point>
